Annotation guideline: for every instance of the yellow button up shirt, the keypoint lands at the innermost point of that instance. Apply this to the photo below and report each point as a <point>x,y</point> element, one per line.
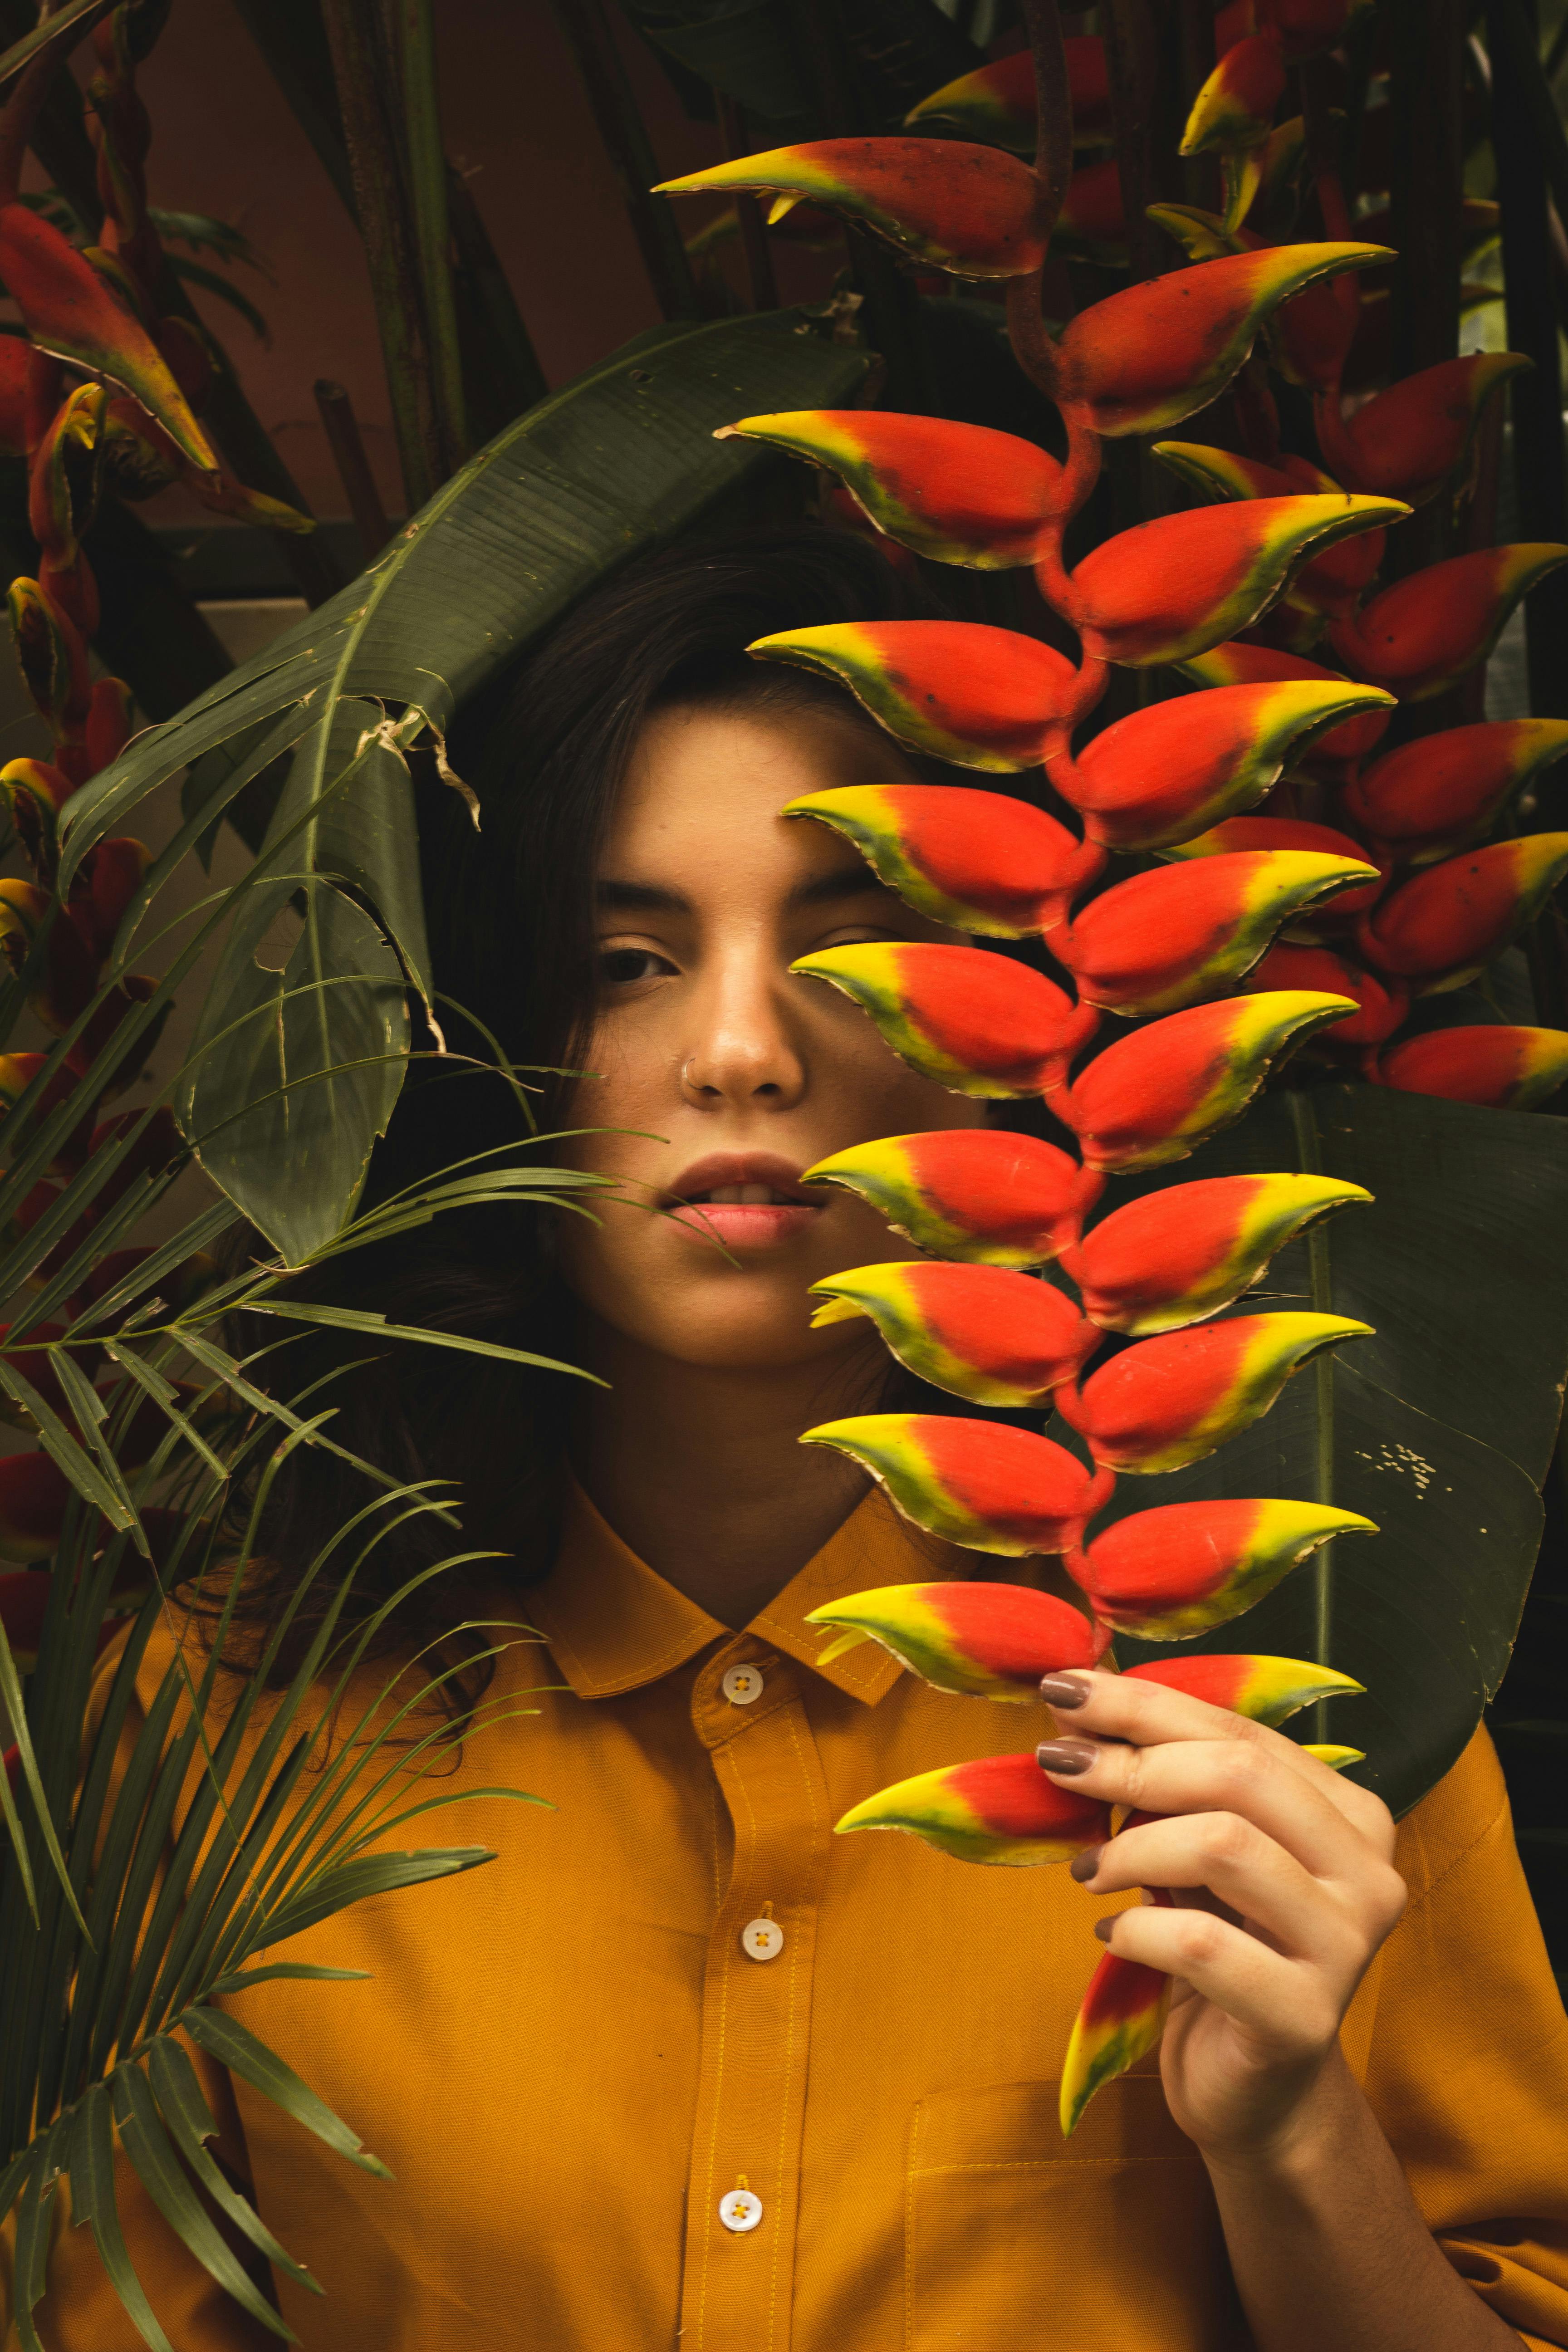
<point>679,2001</point>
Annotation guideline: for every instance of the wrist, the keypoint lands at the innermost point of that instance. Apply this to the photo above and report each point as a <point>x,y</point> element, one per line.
<point>1308,2128</point>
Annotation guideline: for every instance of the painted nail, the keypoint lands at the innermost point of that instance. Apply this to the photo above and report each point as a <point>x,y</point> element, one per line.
<point>1084,1866</point>
<point>1065,1756</point>
<point>1064,1690</point>
<point>1102,1929</point>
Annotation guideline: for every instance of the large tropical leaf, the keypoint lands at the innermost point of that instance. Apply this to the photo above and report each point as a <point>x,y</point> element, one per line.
<point>1440,1428</point>
<point>617,464</point>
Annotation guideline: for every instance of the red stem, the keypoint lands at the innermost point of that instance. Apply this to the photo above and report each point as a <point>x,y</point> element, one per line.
<point>1053,146</point>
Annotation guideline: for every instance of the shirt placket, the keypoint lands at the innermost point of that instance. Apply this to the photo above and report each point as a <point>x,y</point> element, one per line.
<point>743,2185</point>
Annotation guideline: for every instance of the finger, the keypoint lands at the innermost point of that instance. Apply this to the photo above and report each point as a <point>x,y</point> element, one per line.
<point>1250,1874</point>
<point>1114,1707</point>
<point>1218,1776</point>
<point>1289,2007</point>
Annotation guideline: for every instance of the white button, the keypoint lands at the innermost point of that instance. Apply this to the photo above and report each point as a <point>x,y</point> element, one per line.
<point>741,1686</point>
<point>740,2210</point>
<point>761,1939</point>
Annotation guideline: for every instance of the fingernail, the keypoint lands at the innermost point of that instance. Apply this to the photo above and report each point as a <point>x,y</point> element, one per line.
<point>1064,1690</point>
<point>1084,1866</point>
<point>1065,1756</point>
<point>1102,1929</point>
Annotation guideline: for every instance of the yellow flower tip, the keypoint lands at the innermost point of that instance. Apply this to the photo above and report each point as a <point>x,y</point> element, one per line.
<point>851,1639</point>
<point>1336,1758</point>
<point>837,1310</point>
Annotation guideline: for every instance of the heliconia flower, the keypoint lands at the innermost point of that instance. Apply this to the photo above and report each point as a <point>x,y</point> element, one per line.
<point>960,494</point>
<point>1335,910</point>
<point>979,1331</point>
<point>1450,920</point>
<point>35,793</point>
<point>34,1491</point>
<point>1177,1256</point>
<point>1311,336</point>
<point>17,1072</point>
<point>1178,767</point>
<point>68,310</point>
<point>1157,1095</point>
<point>108,722</point>
<point>1303,27</point>
<point>1235,108</point>
<point>973,210</point>
<point>1327,754</point>
<point>15,368</point>
<point>1266,1690</point>
<point>108,879</point>
<point>1429,629</point>
<point>1142,360</point>
<point>1168,589</point>
<point>1406,441</point>
<point>1441,791</point>
<point>56,487</point>
<point>1175,1400</point>
<point>1381,1004</point>
<point>980,1484</point>
<point>64,982</point>
<point>975,1021</point>
<point>1330,583</point>
<point>1329,1752</point>
<point>977,1195</point>
<point>997,103</point>
<point>1166,1574</point>
<point>976,696</point>
<point>52,654</point>
<point>1167,937</point>
<point>985,863</point>
<point>1121,2018</point>
<point>998,1809</point>
<point>979,1641</point>
<point>1503,1068</point>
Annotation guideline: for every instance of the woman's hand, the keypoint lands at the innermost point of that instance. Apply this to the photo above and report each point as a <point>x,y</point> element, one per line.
<point>1284,1885</point>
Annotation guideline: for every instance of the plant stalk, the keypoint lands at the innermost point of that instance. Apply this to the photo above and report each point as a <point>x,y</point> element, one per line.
<point>626,142</point>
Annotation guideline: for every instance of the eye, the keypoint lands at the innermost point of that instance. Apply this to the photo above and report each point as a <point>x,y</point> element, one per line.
<point>624,966</point>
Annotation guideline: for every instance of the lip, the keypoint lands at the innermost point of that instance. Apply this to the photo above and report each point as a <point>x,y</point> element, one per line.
<point>742,1225</point>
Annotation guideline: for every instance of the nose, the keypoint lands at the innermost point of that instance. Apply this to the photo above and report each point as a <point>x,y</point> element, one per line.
<point>745,1051</point>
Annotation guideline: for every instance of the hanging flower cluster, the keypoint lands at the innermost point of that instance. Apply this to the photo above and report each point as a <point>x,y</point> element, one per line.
<point>99,383</point>
<point>1168,947</point>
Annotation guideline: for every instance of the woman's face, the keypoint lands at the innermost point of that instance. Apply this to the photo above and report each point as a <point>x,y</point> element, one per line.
<point>733,1074</point>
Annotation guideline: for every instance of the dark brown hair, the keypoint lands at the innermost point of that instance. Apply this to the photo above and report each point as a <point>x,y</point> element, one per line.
<point>509,912</point>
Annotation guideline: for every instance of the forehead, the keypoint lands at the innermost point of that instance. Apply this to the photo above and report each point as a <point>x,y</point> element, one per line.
<point>704,785</point>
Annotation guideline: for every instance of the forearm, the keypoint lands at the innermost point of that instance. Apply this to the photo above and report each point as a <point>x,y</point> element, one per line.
<point>1327,2246</point>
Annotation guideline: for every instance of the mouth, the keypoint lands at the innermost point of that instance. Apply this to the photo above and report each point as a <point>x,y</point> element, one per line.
<point>744,1200</point>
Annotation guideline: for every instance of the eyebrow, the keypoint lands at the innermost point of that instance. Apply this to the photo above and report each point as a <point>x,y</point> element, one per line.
<point>614,895</point>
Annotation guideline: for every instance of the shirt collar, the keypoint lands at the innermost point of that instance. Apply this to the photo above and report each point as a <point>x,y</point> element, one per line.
<point>612,1624</point>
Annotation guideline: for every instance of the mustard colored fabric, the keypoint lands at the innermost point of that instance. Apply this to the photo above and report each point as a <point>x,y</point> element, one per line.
<point>568,2059</point>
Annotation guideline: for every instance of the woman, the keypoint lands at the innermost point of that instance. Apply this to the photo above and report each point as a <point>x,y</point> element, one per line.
<point>679,2066</point>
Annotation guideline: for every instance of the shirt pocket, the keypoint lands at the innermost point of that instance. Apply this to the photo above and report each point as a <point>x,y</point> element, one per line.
<point>1015,2236</point>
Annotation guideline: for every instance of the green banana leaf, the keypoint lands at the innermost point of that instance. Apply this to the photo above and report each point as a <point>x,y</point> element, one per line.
<point>1440,1427</point>
<point>618,462</point>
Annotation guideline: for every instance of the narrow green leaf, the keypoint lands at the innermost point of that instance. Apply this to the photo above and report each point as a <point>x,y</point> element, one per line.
<point>370,1874</point>
<point>44,2161</point>
<point>72,11</point>
<point>213,281</point>
<point>92,1415</point>
<point>147,2149</point>
<point>63,1449</point>
<point>241,1978</point>
<point>165,1395</point>
<point>12,1706</point>
<point>234,2046</point>
<point>178,2090</point>
<point>351,1318</point>
<point>89,2146</point>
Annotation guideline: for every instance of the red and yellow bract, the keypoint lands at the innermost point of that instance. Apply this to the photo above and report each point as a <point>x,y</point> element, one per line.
<point>947,204</point>
<point>1444,791</point>
<point>997,100</point>
<point>1157,1095</point>
<point>1427,631</point>
<point>1123,2017</point>
<point>1407,441</point>
<point>979,1331</point>
<point>1381,1003</point>
<point>984,1197</point>
<point>1171,1401</point>
<point>1503,1068</point>
<point>1175,1571</point>
<point>980,1484</point>
<point>1165,774</point>
<point>974,1024</point>
<point>1335,910</point>
<point>1267,1690</point>
<point>1448,921</point>
<point>1182,1255</point>
<point>1014,873</point>
<point>978,697</point>
<point>977,1640</point>
<point>999,1808</point>
<point>1166,939</point>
